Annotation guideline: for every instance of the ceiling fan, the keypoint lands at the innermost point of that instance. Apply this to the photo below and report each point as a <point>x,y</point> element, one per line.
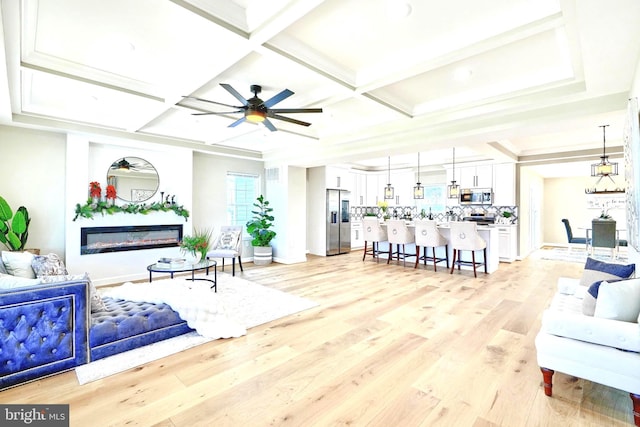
<point>258,111</point>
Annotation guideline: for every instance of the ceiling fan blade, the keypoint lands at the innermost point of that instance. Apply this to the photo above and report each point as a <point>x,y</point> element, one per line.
<point>237,122</point>
<point>296,110</point>
<point>287,119</point>
<point>212,102</point>
<point>267,123</point>
<point>217,112</point>
<point>277,98</point>
<point>235,93</point>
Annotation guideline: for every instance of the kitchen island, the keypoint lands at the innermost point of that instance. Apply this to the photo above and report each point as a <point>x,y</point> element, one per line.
<point>489,233</point>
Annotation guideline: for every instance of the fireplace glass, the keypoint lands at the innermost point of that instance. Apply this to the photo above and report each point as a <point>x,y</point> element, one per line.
<point>95,240</point>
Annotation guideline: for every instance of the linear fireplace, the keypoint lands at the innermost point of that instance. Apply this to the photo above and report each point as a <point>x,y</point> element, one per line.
<point>95,240</point>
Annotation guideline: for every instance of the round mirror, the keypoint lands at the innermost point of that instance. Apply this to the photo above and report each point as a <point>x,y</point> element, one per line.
<point>135,179</point>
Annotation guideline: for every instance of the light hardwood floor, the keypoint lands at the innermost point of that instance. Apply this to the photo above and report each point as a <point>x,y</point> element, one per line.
<point>387,346</point>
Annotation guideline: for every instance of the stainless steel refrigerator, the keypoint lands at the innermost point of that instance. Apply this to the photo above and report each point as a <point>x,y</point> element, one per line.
<point>338,222</point>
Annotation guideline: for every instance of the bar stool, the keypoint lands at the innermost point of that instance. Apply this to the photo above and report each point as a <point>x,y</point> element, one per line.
<point>399,234</point>
<point>428,236</point>
<point>374,233</point>
<point>464,237</point>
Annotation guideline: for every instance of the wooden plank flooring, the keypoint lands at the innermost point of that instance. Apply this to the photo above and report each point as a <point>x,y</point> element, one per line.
<point>387,346</point>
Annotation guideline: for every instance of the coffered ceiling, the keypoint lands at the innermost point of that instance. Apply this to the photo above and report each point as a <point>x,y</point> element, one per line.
<point>498,80</point>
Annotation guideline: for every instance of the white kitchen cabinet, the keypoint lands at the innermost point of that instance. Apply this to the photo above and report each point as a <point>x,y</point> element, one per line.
<point>476,176</point>
<point>504,187</point>
<point>403,183</point>
<point>359,189</point>
<point>357,240</point>
<point>338,178</point>
<point>374,191</point>
<point>507,242</point>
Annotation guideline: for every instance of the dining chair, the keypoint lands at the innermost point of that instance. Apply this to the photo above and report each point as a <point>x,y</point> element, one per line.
<point>571,238</point>
<point>372,232</point>
<point>464,237</point>
<point>603,235</point>
<point>428,236</point>
<point>399,234</point>
<point>228,244</point>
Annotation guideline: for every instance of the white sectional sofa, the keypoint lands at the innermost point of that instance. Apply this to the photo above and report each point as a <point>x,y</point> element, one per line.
<point>594,338</point>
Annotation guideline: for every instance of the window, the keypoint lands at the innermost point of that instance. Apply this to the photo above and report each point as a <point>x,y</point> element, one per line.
<point>242,191</point>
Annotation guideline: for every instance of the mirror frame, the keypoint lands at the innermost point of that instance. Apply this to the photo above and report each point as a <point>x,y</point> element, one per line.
<point>128,163</point>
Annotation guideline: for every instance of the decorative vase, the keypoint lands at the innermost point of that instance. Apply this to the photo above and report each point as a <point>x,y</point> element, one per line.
<point>192,258</point>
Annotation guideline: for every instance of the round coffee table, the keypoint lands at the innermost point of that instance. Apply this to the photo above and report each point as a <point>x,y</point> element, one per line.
<point>186,267</point>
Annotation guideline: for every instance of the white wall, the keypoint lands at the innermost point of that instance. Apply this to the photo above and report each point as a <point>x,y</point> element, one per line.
<point>287,196</point>
<point>565,198</point>
<point>33,175</point>
<point>89,159</point>
<point>209,196</point>
<point>316,199</point>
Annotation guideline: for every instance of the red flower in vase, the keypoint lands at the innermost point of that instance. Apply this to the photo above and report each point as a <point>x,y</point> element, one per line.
<point>111,192</point>
<point>94,189</point>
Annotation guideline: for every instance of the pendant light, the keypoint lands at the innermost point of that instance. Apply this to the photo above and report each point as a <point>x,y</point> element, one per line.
<point>388,190</point>
<point>453,190</point>
<point>418,190</point>
<point>605,167</point>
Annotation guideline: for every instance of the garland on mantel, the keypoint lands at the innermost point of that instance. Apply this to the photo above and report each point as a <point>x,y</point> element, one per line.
<point>89,209</point>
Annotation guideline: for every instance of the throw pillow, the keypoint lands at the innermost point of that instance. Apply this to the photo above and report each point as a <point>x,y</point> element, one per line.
<point>94,297</point>
<point>8,281</point>
<point>3,270</point>
<point>227,240</point>
<point>18,264</point>
<point>48,265</point>
<point>595,270</point>
<point>619,301</point>
<point>594,273</point>
<point>590,297</point>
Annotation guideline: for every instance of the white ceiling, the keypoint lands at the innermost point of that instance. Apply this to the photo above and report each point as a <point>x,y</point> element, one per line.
<point>499,80</point>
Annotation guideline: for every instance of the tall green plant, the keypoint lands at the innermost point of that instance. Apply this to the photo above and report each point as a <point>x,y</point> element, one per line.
<point>14,229</point>
<point>259,226</point>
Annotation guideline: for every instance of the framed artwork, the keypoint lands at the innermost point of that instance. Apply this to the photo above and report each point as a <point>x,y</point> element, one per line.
<point>138,195</point>
<point>632,172</point>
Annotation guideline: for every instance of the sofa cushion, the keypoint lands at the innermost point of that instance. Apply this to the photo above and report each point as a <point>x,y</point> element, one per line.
<point>8,281</point>
<point>564,318</point>
<point>94,297</point>
<point>18,264</point>
<point>594,273</point>
<point>619,300</point>
<point>48,265</point>
<point>3,269</point>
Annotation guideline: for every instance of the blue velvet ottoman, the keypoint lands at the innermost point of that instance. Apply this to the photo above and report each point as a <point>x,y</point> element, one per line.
<point>126,325</point>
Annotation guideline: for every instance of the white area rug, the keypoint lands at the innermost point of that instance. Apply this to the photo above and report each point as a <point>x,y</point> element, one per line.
<point>248,303</point>
<point>577,255</point>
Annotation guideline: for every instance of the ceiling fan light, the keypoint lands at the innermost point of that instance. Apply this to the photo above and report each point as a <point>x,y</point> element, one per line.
<point>256,116</point>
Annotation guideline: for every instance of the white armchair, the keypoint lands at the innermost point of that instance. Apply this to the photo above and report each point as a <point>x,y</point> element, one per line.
<point>228,244</point>
<point>601,348</point>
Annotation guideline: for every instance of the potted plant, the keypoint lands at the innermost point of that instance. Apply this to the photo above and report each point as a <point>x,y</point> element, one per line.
<point>197,245</point>
<point>259,229</point>
<point>14,229</point>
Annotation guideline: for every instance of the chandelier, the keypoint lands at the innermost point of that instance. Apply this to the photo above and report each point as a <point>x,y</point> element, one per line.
<point>418,190</point>
<point>388,190</point>
<point>453,190</point>
<point>605,167</point>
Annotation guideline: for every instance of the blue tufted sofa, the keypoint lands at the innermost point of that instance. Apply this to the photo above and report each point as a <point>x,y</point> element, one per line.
<point>47,329</point>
